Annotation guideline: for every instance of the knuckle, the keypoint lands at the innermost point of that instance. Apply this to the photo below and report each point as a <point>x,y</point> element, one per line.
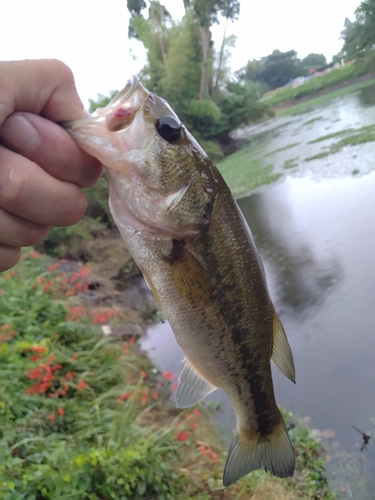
<point>62,69</point>
<point>12,189</point>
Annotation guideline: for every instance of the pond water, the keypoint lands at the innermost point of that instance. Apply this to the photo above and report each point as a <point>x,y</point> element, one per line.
<point>316,234</point>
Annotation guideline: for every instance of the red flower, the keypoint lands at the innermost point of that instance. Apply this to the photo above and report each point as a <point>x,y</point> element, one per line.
<point>51,417</point>
<point>39,348</point>
<point>182,436</point>
<point>69,375</point>
<point>127,395</point>
<point>174,386</point>
<point>168,375</point>
<point>1,291</point>
<point>35,358</point>
<point>197,412</point>
<point>61,411</point>
<point>82,385</point>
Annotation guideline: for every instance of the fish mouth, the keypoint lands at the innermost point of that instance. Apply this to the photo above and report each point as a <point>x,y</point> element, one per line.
<point>121,98</point>
<point>118,104</point>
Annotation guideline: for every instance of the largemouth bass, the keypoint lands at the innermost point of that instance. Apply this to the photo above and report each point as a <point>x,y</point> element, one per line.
<point>185,231</point>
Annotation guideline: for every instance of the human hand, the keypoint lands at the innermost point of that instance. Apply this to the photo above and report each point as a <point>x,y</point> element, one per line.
<point>42,170</point>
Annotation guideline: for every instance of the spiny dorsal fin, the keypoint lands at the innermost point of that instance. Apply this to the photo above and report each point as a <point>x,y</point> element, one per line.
<point>192,387</point>
<point>282,354</point>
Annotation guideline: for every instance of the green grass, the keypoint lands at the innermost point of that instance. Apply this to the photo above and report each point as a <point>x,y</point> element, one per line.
<point>291,163</point>
<point>288,146</point>
<point>86,417</point>
<point>313,120</point>
<point>316,101</point>
<point>331,136</point>
<point>244,171</point>
<point>318,156</point>
<point>311,86</point>
<point>354,137</point>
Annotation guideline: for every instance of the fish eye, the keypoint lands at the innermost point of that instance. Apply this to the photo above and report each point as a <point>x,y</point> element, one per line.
<point>169,128</point>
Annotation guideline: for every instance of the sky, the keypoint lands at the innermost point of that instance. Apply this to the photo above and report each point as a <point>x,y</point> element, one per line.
<point>91,35</point>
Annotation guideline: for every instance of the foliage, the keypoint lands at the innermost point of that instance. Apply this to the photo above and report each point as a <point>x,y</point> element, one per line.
<point>101,101</point>
<point>274,70</point>
<point>359,36</point>
<point>321,99</point>
<point>311,86</point>
<point>66,241</point>
<point>245,170</point>
<point>314,61</point>
<point>183,68</point>
<point>352,137</point>
<point>83,417</point>
<point>75,407</point>
<point>309,462</point>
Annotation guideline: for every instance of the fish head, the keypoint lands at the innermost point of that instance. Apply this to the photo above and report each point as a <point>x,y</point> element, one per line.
<point>158,172</point>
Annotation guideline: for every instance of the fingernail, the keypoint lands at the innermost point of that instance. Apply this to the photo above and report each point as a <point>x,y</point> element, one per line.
<point>18,133</point>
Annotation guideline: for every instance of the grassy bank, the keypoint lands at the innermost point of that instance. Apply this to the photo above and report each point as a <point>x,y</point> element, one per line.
<point>84,416</point>
<point>323,82</point>
<point>321,99</point>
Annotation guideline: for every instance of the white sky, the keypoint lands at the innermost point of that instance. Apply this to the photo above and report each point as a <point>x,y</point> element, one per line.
<point>91,35</point>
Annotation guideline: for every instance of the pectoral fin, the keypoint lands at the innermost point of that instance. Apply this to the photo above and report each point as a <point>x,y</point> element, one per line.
<point>282,354</point>
<point>189,276</point>
<point>191,388</point>
<point>152,288</point>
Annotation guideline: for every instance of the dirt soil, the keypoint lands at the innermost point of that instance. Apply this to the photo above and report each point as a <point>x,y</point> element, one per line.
<point>115,283</point>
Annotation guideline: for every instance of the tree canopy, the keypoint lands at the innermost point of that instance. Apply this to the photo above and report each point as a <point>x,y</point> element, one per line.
<point>274,70</point>
<point>359,35</point>
<point>184,66</point>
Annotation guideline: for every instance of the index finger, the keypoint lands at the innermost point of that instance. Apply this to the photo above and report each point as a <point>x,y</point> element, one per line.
<point>47,89</point>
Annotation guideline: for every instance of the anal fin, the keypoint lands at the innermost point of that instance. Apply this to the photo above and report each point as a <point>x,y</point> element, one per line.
<point>192,387</point>
<point>282,354</point>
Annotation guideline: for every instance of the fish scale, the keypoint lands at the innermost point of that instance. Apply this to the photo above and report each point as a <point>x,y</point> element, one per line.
<point>184,229</point>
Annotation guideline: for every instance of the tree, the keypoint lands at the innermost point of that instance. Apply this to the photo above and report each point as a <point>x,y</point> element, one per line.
<point>180,82</point>
<point>359,36</point>
<point>183,68</point>
<point>274,70</point>
<point>314,61</point>
<point>206,13</point>
<point>153,32</point>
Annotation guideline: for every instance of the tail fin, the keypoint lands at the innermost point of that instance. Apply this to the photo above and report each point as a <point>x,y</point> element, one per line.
<point>274,453</point>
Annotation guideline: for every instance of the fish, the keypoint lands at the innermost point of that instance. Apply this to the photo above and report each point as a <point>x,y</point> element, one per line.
<point>186,233</point>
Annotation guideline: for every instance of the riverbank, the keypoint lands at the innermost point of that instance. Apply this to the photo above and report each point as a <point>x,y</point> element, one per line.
<point>86,415</point>
<point>304,103</point>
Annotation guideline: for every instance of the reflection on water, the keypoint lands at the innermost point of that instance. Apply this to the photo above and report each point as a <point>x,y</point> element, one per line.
<point>367,96</point>
<point>302,277</point>
<point>316,236</point>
